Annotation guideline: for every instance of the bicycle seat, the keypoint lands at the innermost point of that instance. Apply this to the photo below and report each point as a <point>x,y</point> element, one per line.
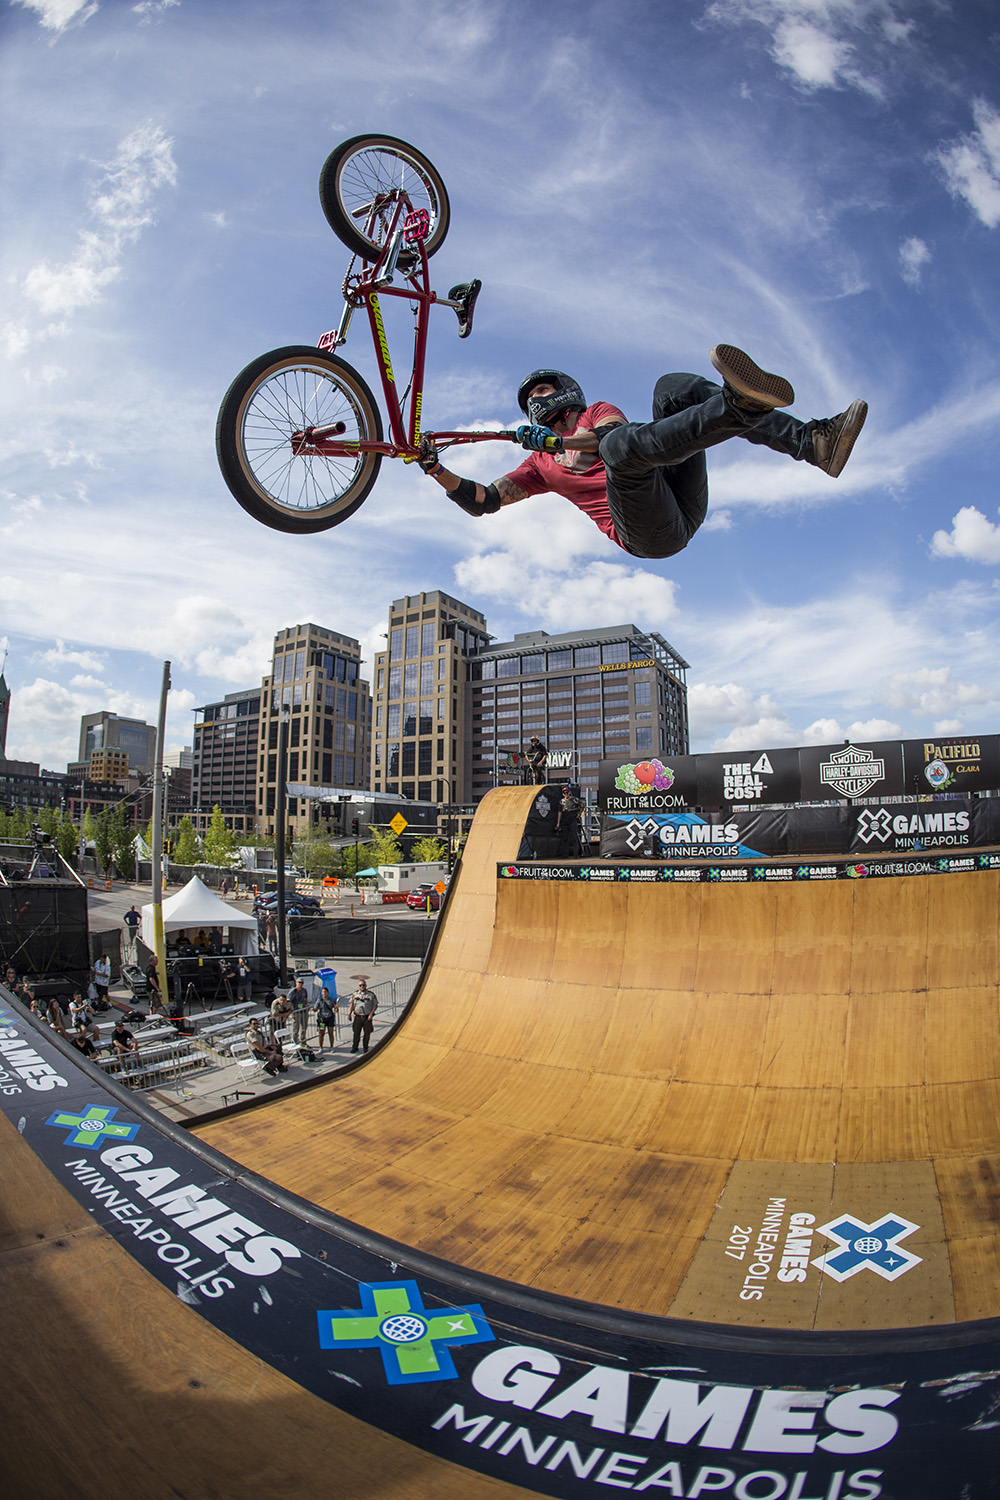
<point>465,295</point>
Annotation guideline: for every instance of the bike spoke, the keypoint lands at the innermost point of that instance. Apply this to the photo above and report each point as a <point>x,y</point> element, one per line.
<point>290,401</point>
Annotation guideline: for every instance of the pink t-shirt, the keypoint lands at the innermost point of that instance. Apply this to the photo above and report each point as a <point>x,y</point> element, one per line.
<point>578,477</point>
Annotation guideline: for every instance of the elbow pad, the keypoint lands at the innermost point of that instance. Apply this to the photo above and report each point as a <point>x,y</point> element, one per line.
<point>464,494</point>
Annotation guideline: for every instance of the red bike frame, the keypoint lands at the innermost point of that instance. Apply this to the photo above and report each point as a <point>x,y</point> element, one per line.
<point>404,239</point>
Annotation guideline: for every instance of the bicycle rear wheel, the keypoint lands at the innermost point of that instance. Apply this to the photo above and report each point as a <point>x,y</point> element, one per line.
<point>277,395</point>
<point>371,169</point>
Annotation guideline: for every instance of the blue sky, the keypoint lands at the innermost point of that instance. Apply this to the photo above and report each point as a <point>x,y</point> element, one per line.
<point>815,180</point>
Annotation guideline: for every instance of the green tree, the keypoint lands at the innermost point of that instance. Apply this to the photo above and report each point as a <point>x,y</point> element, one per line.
<point>385,847</point>
<point>185,850</point>
<point>428,851</point>
<point>89,826</point>
<point>67,838</point>
<point>124,841</point>
<point>104,839</point>
<point>220,847</point>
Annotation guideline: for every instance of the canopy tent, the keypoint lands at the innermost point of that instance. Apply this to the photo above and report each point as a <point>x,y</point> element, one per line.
<point>194,907</point>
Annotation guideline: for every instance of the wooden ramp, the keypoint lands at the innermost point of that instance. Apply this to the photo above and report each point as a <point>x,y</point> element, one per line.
<point>661,1098</point>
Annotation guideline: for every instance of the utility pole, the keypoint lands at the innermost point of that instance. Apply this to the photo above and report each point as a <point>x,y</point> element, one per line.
<point>279,839</point>
<point>158,944</point>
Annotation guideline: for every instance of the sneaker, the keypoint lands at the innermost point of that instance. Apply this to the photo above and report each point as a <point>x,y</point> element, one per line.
<point>749,387</point>
<point>833,438</point>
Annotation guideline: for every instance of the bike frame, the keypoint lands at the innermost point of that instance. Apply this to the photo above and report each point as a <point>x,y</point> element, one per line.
<point>407,231</point>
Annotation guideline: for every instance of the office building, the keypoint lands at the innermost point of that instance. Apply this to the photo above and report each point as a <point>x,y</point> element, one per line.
<point>420,741</point>
<point>108,731</point>
<point>222,764</point>
<point>108,765</point>
<point>585,694</point>
<point>315,680</point>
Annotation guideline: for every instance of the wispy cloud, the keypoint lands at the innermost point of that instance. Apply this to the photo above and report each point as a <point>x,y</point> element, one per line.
<point>56,15</point>
<point>971,166</point>
<point>913,256</point>
<point>817,41</point>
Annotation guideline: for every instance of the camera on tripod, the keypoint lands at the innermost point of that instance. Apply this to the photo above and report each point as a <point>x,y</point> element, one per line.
<point>39,837</point>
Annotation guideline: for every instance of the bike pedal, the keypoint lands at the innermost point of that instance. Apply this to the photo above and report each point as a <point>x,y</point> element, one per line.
<point>465,295</point>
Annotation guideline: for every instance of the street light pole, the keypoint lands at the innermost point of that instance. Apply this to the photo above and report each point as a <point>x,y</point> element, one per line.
<point>279,840</point>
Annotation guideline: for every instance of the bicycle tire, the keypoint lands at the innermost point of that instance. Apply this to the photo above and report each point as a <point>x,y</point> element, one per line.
<point>357,168</point>
<point>280,393</point>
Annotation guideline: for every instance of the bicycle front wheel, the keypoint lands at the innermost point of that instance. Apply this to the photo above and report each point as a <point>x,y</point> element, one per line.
<point>280,394</point>
<point>361,182</point>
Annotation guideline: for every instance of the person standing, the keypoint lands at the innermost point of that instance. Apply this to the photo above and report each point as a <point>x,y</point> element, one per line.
<point>102,977</point>
<point>537,757</point>
<point>298,1000</point>
<point>327,1017</point>
<point>361,1014</point>
<point>272,932</point>
<point>244,980</point>
<point>568,826</point>
<point>132,920</point>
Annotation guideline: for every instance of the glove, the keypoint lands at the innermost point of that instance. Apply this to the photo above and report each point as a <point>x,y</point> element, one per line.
<point>538,439</point>
<point>429,460</point>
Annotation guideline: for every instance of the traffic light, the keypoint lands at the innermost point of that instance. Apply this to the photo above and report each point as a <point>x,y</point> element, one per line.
<point>355,827</point>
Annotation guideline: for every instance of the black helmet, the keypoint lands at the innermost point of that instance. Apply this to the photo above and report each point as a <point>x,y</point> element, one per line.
<point>542,408</point>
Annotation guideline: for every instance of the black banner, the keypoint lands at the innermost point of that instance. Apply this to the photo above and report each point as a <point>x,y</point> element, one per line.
<point>808,773</point>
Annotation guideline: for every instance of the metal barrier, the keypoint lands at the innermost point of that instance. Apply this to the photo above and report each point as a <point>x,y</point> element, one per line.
<point>155,1065</point>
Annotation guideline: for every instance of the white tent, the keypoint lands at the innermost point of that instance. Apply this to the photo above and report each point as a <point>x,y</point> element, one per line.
<point>195,907</point>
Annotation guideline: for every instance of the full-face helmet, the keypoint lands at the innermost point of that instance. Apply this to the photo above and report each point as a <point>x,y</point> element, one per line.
<point>542,409</point>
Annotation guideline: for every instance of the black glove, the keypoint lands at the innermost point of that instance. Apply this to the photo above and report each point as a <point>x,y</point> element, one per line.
<point>428,459</point>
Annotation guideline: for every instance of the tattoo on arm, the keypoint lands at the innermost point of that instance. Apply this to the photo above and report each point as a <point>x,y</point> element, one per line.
<point>509,492</point>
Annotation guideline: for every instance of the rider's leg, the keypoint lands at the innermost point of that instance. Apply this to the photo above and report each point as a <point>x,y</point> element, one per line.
<point>657,477</point>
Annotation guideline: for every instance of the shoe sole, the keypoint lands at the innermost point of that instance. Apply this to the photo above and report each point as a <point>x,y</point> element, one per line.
<point>748,379</point>
<point>854,420</point>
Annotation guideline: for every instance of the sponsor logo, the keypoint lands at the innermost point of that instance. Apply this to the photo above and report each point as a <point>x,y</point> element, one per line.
<point>627,666</point>
<point>644,776</point>
<point>94,1129</point>
<point>867,1247</point>
<point>937,775</point>
<point>380,331</point>
<point>413,1341</point>
<point>852,772</point>
<point>743,781</point>
<point>874,826</point>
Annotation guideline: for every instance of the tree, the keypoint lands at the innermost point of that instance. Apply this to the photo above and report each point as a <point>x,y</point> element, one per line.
<point>123,834</point>
<point>428,851</point>
<point>385,847</point>
<point>104,839</point>
<point>67,838</point>
<point>220,847</point>
<point>89,826</point>
<point>185,845</point>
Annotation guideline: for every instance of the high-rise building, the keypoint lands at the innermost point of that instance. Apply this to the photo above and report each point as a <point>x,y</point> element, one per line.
<point>585,694</point>
<point>315,680</point>
<point>420,741</point>
<point>108,765</point>
<point>108,731</point>
<point>224,761</point>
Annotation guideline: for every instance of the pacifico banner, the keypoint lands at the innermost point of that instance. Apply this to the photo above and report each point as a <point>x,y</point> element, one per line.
<point>889,769</point>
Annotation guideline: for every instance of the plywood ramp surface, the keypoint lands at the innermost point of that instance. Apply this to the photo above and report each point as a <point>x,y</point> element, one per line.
<point>597,1084</point>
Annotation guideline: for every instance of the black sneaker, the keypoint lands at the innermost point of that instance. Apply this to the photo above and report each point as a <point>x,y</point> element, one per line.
<point>750,387</point>
<point>834,437</point>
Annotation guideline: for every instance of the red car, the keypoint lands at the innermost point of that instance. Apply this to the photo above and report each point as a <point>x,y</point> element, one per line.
<point>420,896</point>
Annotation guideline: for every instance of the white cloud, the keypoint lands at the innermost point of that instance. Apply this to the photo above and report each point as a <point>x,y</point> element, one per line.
<point>712,707</point>
<point>913,256</point>
<point>55,15</point>
<point>151,10</point>
<point>971,536</point>
<point>59,656</point>
<point>814,39</point>
<point>930,690</point>
<point>971,166</point>
<point>596,593</point>
<point>120,208</point>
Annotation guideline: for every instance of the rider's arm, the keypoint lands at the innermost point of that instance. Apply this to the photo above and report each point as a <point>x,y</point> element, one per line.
<point>588,440</point>
<point>504,492</point>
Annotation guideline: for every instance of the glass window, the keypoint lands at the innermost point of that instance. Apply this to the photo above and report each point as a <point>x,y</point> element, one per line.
<point>412,640</point>
<point>424,791</point>
<point>338,770</point>
<point>424,758</point>
<point>409,758</point>
<point>426,715</point>
<point>341,700</point>
<point>381,678</point>
<point>440,712</point>
<point>427,638</point>
<point>426,678</point>
<point>409,718</point>
<point>378,754</point>
<point>614,651</point>
<point>489,669</point>
<point>641,692</point>
<point>407,789</point>
<point>395,645</point>
<point>395,682</point>
<point>338,734</point>
<point>351,738</point>
<point>410,680</point>
<point>644,739</point>
<point>392,765</point>
<point>392,719</point>
<point>352,705</point>
<point>586,656</point>
<point>300,663</point>
<point>509,666</point>
<point>349,777</point>
<point>558,661</point>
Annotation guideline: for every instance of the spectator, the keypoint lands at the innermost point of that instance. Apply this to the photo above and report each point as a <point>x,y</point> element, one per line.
<point>244,980</point>
<point>225,887</point>
<point>82,1042</point>
<point>568,825</point>
<point>361,1014</point>
<point>80,1012</point>
<point>327,1016</point>
<point>102,976</point>
<point>269,1052</point>
<point>123,1043</point>
<point>153,986</point>
<point>298,1004</point>
<point>281,1013</point>
<point>55,1016</point>
<point>272,931</point>
<point>132,920</point>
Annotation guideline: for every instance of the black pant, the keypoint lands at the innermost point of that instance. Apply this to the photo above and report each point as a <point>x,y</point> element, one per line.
<point>362,1030</point>
<point>657,475</point>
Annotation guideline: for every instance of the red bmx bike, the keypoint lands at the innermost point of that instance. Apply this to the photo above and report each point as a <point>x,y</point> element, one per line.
<point>299,434</point>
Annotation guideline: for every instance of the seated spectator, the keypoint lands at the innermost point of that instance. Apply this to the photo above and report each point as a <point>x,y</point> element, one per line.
<point>269,1052</point>
<point>281,1013</point>
<point>82,1042</point>
<point>122,1041</point>
<point>79,1011</point>
<point>55,1016</point>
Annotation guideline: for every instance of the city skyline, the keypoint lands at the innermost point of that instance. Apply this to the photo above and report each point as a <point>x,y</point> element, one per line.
<point>816,180</point>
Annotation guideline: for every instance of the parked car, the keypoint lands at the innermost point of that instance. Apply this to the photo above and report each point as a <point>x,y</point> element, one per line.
<point>292,900</point>
<point>421,895</point>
